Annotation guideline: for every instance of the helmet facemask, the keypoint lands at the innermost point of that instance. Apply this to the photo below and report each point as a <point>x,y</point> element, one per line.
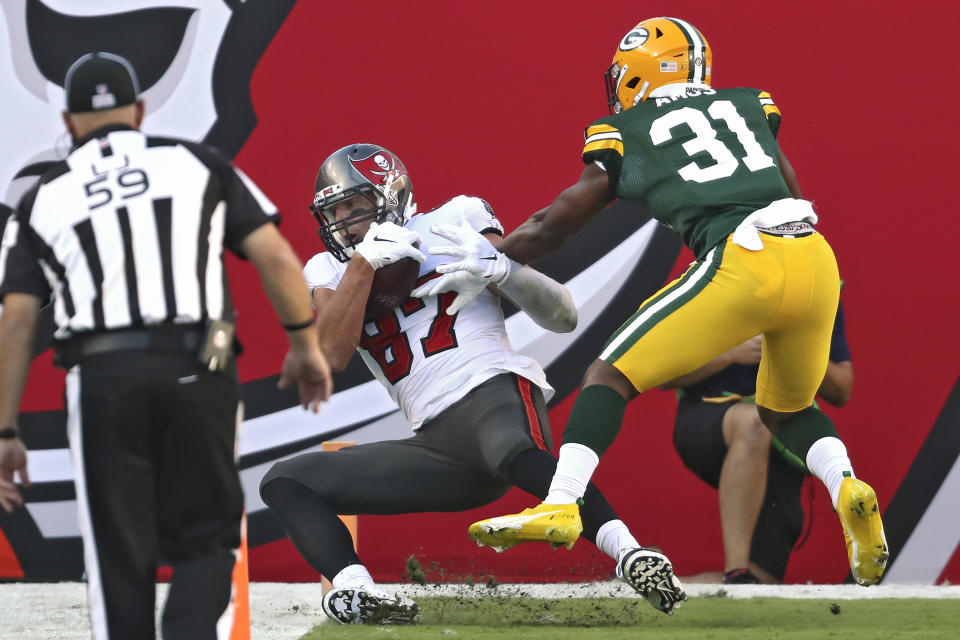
<point>335,233</point>
<point>613,78</point>
<point>610,79</point>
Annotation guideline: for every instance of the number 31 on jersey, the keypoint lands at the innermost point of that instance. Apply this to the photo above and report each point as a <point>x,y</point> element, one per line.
<point>661,132</point>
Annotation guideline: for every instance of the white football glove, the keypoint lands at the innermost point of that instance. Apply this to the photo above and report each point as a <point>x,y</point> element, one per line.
<point>467,286</point>
<point>480,264</point>
<point>387,243</point>
<point>477,255</point>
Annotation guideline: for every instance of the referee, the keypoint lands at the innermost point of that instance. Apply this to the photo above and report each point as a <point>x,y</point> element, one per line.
<point>128,234</point>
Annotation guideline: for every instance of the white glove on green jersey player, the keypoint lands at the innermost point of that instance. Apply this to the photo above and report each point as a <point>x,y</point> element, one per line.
<point>546,301</point>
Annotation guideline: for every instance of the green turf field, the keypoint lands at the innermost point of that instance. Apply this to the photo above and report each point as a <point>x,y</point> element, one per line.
<point>714,618</point>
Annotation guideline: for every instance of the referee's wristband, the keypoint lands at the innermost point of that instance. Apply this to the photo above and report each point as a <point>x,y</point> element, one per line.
<point>297,326</point>
<point>9,433</point>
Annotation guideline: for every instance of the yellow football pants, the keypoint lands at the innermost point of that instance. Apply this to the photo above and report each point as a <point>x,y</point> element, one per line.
<point>788,292</point>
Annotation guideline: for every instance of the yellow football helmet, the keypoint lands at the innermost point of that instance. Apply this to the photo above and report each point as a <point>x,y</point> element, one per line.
<point>656,52</point>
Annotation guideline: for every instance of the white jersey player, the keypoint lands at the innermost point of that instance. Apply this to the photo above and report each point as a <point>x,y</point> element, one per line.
<point>401,348</point>
<point>478,407</point>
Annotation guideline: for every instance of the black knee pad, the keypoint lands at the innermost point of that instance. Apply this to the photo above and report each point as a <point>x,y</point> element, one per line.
<point>277,471</point>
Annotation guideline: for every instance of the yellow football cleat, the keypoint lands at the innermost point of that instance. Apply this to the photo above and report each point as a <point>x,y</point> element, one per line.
<point>863,531</point>
<point>558,524</point>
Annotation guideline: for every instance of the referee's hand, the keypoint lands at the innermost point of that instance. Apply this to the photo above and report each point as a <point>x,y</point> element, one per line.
<point>13,457</point>
<point>306,365</point>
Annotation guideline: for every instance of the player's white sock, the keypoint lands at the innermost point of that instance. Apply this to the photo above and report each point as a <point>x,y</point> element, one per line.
<point>574,468</point>
<point>827,459</point>
<point>354,576</point>
<point>614,539</point>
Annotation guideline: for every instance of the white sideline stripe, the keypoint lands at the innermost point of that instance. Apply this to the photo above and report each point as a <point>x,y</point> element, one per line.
<point>286,611</point>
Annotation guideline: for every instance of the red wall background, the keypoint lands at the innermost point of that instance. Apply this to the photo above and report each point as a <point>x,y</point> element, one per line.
<point>491,99</point>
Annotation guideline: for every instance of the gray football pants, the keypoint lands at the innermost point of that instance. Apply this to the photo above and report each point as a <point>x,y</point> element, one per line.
<point>455,462</point>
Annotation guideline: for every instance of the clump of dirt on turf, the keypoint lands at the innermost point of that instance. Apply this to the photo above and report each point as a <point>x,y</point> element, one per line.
<point>425,572</point>
<point>414,572</point>
<point>834,608</point>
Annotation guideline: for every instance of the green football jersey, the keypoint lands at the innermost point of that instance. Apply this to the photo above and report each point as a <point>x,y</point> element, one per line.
<point>701,162</point>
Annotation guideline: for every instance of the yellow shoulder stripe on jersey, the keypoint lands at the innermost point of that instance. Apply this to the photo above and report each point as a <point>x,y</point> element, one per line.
<point>602,136</point>
<point>608,143</point>
<point>613,135</point>
<point>599,128</point>
<point>767,103</point>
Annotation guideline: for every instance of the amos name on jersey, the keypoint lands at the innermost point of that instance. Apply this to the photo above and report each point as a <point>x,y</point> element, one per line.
<point>690,91</point>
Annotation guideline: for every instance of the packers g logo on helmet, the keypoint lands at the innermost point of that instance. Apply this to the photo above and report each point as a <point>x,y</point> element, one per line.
<point>656,52</point>
<point>634,39</point>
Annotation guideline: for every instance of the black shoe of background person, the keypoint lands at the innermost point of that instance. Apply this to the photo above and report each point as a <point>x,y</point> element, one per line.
<point>739,576</point>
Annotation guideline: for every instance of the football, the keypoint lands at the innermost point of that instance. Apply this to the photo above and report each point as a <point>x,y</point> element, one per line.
<point>391,286</point>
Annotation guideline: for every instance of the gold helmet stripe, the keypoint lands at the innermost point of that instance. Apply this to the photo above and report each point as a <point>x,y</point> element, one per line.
<point>695,40</point>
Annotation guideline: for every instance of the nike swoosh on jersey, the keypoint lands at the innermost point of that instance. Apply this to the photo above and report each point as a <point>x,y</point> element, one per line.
<point>379,239</point>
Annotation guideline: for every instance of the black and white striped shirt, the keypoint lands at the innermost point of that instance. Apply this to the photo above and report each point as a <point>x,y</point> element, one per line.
<point>5,213</point>
<point>129,231</point>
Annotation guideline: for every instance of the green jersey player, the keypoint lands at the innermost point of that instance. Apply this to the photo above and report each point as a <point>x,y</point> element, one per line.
<point>706,162</point>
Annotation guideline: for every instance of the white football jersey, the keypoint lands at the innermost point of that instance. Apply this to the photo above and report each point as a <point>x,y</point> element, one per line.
<point>425,358</point>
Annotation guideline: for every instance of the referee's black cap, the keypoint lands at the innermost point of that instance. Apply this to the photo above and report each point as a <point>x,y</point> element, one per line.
<point>98,81</point>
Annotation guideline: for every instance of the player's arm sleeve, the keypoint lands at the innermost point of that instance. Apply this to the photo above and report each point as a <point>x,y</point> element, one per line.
<point>771,110</point>
<point>546,301</point>
<point>603,146</point>
<point>20,248</point>
<point>320,273</point>
<point>247,207</point>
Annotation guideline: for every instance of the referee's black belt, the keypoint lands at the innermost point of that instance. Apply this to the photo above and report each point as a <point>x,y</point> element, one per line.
<point>185,338</point>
